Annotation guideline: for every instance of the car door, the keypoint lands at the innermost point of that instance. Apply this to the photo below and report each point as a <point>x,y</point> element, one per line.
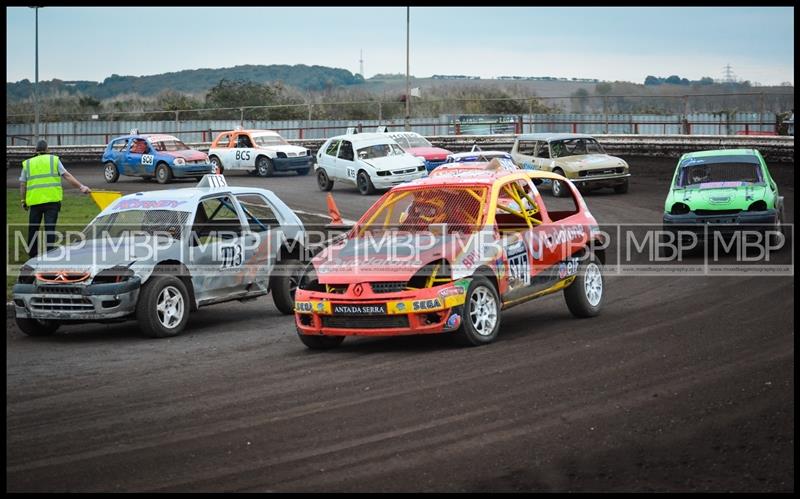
<point>243,157</point>
<point>541,158</point>
<point>139,158</point>
<point>327,159</point>
<point>345,162</point>
<point>523,154</point>
<point>263,235</point>
<point>224,150</point>
<point>217,250</point>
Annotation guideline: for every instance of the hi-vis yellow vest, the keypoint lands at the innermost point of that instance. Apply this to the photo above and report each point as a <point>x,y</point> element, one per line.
<point>44,182</point>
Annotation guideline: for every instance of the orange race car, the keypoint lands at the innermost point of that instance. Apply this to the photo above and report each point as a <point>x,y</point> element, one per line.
<point>445,254</point>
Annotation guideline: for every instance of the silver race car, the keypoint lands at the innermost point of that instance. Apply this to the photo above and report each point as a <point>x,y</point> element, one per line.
<point>157,256</point>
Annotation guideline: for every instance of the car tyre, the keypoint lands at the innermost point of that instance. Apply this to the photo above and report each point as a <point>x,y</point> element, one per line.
<point>217,164</point>
<point>320,342</point>
<point>364,183</point>
<point>264,167</point>
<point>163,173</point>
<point>481,321</point>
<point>584,296</point>
<point>111,172</point>
<point>36,327</point>
<point>558,187</point>
<point>284,286</point>
<point>621,188</point>
<point>323,181</point>
<point>163,307</point>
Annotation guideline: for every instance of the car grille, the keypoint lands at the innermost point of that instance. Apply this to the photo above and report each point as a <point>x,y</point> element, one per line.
<point>387,287</point>
<point>715,212</point>
<point>59,290</point>
<point>59,304</point>
<point>364,321</point>
<point>404,172</point>
<point>607,171</point>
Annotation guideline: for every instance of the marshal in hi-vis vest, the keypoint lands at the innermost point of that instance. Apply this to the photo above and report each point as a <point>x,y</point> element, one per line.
<point>44,182</point>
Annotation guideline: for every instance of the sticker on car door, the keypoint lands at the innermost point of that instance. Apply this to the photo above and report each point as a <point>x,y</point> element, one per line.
<point>147,159</point>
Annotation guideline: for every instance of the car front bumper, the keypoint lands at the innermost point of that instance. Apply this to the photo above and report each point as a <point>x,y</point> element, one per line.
<point>420,311</point>
<point>192,170</point>
<point>71,302</point>
<point>389,181</point>
<point>759,221</point>
<point>291,164</point>
<point>596,181</point>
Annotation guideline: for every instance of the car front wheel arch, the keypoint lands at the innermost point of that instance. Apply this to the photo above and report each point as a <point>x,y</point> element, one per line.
<point>179,270</point>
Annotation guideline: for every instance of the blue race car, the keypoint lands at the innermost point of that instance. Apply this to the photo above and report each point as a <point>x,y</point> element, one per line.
<point>153,155</point>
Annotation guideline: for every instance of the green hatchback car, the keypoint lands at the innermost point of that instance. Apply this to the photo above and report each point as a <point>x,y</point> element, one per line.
<point>727,190</point>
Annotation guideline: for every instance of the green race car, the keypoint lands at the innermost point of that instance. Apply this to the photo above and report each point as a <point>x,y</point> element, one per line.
<point>725,190</point>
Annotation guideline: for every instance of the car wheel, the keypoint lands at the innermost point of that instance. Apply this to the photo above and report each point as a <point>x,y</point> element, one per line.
<point>284,285</point>
<point>303,172</point>
<point>321,342</point>
<point>622,188</point>
<point>163,307</point>
<point>584,296</point>
<point>110,172</point>
<point>323,181</point>
<point>364,183</point>
<point>163,173</point>
<point>36,327</point>
<point>264,167</point>
<point>481,321</point>
<point>217,164</point>
<point>558,188</point>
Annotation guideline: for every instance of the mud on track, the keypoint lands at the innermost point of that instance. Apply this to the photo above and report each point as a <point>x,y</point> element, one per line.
<point>682,383</point>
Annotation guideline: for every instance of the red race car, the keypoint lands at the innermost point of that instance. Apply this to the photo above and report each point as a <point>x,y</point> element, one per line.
<point>445,254</point>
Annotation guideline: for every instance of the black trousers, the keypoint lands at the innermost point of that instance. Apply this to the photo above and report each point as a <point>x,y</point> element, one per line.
<point>48,211</point>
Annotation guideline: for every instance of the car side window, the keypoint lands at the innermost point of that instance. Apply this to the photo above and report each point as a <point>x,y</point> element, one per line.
<point>223,140</point>
<point>332,148</point>
<point>542,151</point>
<point>216,219</point>
<point>526,147</point>
<point>243,141</point>
<point>346,151</point>
<point>517,207</point>
<point>259,212</point>
<point>119,145</point>
<point>139,146</point>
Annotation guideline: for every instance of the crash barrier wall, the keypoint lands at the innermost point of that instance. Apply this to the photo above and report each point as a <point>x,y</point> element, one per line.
<point>100,132</point>
<point>774,149</point>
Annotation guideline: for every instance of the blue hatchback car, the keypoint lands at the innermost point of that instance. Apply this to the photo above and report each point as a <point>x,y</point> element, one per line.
<point>153,155</point>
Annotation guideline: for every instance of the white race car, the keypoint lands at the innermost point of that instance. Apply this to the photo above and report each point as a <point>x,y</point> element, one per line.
<point>368,160</point>
<point>262,152</point>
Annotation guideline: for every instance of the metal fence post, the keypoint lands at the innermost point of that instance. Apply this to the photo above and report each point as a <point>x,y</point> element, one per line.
<point>241,117</point>
<point>177,122</point>
<point>380,111</point>
<point>605,111</point>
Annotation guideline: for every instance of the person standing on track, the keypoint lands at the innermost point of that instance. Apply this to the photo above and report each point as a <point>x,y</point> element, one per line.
<point>41,193</point>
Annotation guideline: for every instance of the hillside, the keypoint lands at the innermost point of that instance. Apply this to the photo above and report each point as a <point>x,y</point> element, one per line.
<point>193,81</point>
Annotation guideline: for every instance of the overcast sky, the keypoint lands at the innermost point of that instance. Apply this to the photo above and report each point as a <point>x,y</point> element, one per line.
<point>609,43</point>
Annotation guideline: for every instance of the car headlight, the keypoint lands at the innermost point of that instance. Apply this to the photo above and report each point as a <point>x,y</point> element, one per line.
<point>179,161</point>
<point>119,273</point>
<point>26,275</point>
<point>280,154</point>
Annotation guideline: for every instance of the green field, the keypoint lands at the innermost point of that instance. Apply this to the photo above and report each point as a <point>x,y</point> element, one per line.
<point>77,210</point>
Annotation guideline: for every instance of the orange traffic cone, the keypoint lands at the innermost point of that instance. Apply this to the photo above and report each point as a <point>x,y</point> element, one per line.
<point>333,211</point>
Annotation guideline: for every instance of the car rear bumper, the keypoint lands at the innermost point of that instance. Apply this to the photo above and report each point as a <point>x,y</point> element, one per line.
<point>93,302</point>
<point>290,164</point>
<point>424,311</point>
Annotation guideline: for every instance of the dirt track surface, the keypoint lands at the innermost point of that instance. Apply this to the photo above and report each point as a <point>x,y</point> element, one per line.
<point>682,383</point>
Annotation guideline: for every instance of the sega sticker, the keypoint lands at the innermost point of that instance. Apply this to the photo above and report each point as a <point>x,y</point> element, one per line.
<point>421,305</point>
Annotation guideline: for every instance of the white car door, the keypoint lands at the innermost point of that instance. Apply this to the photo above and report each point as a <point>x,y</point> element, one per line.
<point>346,167</point>
<point>243,153</point>
<point>327,159</point>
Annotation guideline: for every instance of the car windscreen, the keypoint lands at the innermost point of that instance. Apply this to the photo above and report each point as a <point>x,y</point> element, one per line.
<point>127,223</point>
<point>379,151</point>
<point>417,141</point>
<point>731,170</point>
<point>575,147</point>
<point>169,145</point>
<point>269,140</point>
<point>419,210</point>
